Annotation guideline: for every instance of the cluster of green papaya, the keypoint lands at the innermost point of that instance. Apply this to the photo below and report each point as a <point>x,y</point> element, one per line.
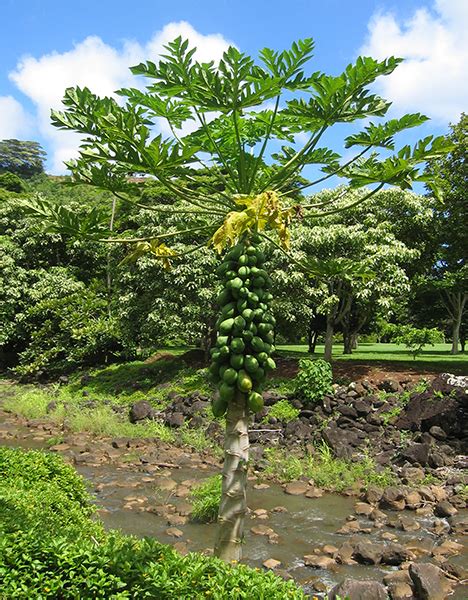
<point>242,355</point>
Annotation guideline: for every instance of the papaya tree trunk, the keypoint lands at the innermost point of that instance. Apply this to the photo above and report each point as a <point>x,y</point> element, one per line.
<point>233,507</point>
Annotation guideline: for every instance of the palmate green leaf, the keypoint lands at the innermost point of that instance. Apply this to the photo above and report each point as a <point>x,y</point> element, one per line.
<point>54,218</point>
<point>322,156</point>
<point>175,112</point>
<point>382,134</point>
<point>343,98</point>
<point>401,169</point>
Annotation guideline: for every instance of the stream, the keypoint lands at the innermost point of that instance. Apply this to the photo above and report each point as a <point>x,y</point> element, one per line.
<point>148,500</point>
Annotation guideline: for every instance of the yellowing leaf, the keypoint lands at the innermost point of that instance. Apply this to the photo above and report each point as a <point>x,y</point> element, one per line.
<point>259,212</point>
<point>155,247</point>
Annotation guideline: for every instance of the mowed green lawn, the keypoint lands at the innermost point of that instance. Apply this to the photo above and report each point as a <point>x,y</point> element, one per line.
<point>435,357</point>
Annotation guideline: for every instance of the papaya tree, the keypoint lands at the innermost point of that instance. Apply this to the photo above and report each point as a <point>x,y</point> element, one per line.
<point>240,119</point>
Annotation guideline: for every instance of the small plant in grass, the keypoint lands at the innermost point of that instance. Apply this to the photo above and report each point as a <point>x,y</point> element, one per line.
<point>314,380</point>
<point>283,411</point>
<point>206,498</point>
<point>413,338</point>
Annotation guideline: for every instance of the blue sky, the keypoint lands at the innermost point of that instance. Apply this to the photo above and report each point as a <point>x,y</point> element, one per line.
<point>46,45</point>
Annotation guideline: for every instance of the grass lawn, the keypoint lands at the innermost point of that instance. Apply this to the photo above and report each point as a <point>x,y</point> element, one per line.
<point>435,357</point>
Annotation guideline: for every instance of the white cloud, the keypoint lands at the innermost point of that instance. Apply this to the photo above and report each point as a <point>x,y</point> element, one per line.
<point>434,44</point>
<point>15,122</point>
<point>102,68</point>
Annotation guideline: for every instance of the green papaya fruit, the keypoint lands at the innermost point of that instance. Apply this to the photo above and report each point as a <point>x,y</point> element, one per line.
<point>237,345</point>
<point>219,407</point>
<point>250,363</point>
<point>244,382</point>
<point>230,376</point>
<point>226,326</point>
<point>227,392</point>
<point>255,402</point>
<point>236,361</point>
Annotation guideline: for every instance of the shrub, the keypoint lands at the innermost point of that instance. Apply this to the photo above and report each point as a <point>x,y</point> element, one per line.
<point>206,498</point>
<point>414,339</point>
<point>314,380</point>
<point>283,411</point>
<point>41,494</point>
<point>11,183</point>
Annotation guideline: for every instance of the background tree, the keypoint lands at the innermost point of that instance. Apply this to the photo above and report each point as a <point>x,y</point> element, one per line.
<point>22,157</point>
<point>450,269</point>
<point>229,103</point>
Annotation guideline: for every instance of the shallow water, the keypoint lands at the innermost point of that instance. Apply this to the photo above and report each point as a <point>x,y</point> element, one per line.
<point>307,524</point>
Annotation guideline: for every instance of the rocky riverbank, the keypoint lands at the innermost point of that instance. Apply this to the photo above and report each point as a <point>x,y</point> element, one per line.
<point>407,540</point>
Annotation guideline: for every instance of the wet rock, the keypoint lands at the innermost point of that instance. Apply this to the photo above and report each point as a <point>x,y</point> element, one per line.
<point>362,508</point>
<point>429,581</point>
<point>296,488</point>
<point>445,509</point>
<point>358,590</point>
<point>140,410</point>
<point>395,554</point>
<point>262,530</point>
<point>417,453</point>
<point>319,561</point>
<point>374,494</point>
<point>271,563</point>
<point>344,555</point>
<point>439,527</point>
<point>261,486</point>
<point>413,500</point>
<point>260,513</point>
<point>368,553</point>
<point>330,550</point>
<point>174,532</point>
<point>446,548</point>
<point>314,492</point>
<point>408,524</point>
<point>393,498</point>
<point>399,585</point>
<point>349,528</point>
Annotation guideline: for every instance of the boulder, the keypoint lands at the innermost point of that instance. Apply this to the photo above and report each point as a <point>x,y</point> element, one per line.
<point>175,419</point>
<point>445,509</point>
<point>354,589</point>
<point>368,553</point>
<point>417,453</point>
<point>141,410</point>
<point>394,554</point>
<point>393,498</point>
<point>425,411</point>
<point>429,581</point>
<point>319,561</point>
